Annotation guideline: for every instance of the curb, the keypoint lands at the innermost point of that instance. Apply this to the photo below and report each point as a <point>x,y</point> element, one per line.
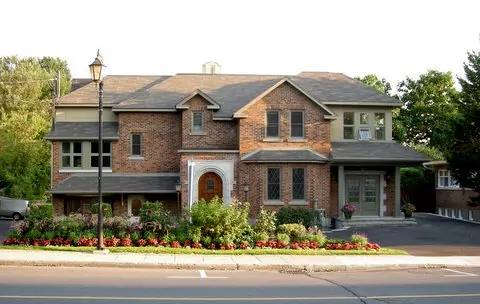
<point>289,269</point>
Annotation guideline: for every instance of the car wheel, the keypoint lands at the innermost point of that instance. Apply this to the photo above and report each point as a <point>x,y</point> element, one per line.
<point>17,216</point>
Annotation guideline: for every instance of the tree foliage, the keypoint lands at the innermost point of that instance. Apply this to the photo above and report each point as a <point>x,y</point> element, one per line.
<point>26,86</point>
<point>375,82</point>
<point>463,150</point>
<point>429,104</point>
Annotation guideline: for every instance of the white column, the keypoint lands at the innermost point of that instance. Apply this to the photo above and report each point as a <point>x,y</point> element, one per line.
<point>341,188</point>
<point>396,211</point>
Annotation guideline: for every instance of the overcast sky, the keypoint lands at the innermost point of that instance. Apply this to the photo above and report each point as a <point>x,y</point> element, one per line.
<point>389,38</point>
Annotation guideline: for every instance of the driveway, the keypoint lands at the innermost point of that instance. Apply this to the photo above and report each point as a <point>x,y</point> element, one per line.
<point>432,236</point>
<point>4,228</point>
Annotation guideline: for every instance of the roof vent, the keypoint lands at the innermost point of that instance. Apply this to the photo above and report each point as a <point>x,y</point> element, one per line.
<point>211,67</point>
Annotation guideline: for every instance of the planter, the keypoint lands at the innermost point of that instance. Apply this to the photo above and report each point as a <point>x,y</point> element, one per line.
<point>347,215</point>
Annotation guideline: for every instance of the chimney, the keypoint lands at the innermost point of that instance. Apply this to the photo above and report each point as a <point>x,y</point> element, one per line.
<point>211,67</point>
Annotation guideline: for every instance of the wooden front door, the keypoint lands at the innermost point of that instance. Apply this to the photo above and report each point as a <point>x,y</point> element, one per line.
<point>209,185</point>
<point>363,191</point>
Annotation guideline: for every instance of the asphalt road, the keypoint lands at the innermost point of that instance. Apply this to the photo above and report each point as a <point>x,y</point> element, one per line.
<point>4,228</point>
<point>116,285</point>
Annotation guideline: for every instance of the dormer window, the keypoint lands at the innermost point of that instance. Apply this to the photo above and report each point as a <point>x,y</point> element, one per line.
<point>197,122</point>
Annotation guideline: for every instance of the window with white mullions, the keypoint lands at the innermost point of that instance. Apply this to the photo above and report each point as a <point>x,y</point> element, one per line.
<point>348,125</point>
<point>71,154</point>
<point>298,183</point>
<point>379,126</point>
<point>446,180</point>
<point>273,183</point>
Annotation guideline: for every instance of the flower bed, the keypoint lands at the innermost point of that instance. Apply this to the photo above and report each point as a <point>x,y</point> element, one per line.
<point>213,226</point>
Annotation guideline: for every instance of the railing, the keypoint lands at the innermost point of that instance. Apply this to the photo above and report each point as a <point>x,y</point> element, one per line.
<point>460,214</point>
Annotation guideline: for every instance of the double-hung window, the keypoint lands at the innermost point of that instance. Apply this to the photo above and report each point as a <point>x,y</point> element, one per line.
<point>445,179</point>
<point>364,131</point>
<point>197,122</point>
<point>273,124</point>
<point>106,154</point>
<point>298,183</point>
<point>71,155</point>
<point>379,126</point>
<point>273,184</point>
<point>296,124</point>
<point>136,145</point>
<point>348,125</point>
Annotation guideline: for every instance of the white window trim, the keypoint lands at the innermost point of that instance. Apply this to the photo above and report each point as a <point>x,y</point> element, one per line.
<point>348,126</point>
<point>201,132</point>
<point>266,125</point>
<point>375,125</point>
<point>278,201</point>
<point>303,124</point>
<point>136,156</point>
<point>449,177</point>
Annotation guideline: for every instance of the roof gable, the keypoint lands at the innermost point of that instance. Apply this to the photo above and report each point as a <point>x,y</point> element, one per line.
<point>183,104</point>
<point>330,113</point>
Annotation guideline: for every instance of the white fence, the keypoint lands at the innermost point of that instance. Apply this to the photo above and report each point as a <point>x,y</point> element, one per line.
<point>460,214</point>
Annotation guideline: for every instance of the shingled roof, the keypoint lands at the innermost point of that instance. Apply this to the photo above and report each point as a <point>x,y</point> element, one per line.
<point>230,92</point>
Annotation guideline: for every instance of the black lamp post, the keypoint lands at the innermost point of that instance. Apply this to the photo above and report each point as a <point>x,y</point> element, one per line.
<point>97,71</point>
<point>178,187</point>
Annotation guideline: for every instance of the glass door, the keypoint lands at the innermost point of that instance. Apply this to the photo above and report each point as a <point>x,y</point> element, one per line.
<point>363,191</point>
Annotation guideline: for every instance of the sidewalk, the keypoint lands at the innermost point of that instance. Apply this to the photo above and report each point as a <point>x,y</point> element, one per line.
<point>230,262</point>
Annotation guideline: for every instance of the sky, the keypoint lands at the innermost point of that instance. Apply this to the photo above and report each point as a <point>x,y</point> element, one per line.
<point>390,38</point>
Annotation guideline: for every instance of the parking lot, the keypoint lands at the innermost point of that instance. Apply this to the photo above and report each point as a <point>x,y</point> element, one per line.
<point>432,236</point>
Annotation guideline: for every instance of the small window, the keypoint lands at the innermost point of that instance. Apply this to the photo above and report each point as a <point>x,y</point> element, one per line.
<point>348,125</point>
<point>296,124</point>
<point>273,184</point>
<point>364,133</point>
<point>445,180</point>
<point>136,145</point>
<point>379,126</point>
<point>273,124</point>
<point>106,154</point>
<point>71,155</point>
<point>197,122</point>
<point>298,183</point>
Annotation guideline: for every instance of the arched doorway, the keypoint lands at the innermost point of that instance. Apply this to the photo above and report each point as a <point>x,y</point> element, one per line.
<point>209,185</point>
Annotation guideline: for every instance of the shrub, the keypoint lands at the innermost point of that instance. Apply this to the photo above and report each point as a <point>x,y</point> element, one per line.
<point>261,236</point>
<point>266,221</point>
<point>358,238</point>
<point>305,216</point>
<point>40,216</point>
<point>294,231</point>
<point>155,218</point>
<point>315,237</point>
<point>219,223</point>
<point>106,209</point>
<point>283,237</point>
<point>64,225</point>
<point>118,224</point>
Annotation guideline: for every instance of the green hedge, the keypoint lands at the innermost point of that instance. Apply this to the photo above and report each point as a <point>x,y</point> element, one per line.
<point>106,208</point>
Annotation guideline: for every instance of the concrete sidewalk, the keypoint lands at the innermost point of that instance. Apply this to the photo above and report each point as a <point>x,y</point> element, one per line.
<point>230,262</point>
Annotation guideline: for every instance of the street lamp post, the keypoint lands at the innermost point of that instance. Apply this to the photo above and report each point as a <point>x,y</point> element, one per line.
<point>97,71</point>
<point>178,187</point>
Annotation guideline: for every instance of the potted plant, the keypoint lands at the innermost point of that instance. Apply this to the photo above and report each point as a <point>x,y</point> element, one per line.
<point>407,208</point>
<point>348,210</point>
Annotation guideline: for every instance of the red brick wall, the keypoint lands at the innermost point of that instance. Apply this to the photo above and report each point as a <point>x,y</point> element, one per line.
<point>58,205</point>
<point>333,192</point>
<point>161,133</point>
<point>285,98</point>
<point>390,192</point>
<point>455,198</point>
<point>217,133</point>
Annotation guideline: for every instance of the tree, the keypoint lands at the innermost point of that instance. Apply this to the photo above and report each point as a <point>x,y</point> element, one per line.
<point>429,104</point>
<point>380,84</point>
<point>463,151</point>
<point>25,117</point>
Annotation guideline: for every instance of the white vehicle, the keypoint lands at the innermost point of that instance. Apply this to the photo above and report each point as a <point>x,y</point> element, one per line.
<point>14,208</point>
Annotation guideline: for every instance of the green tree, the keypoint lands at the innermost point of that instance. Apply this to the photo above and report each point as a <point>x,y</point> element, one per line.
<point>375,82</point>
<point>429,104</point>
<point>463,150</point>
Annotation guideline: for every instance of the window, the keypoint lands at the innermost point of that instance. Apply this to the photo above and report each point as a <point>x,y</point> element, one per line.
<point>296,124</point>
<point>136,145</point>
<point>445,180</point>
<point>298,183</point>
<point>364,133</point>
<point>197,122</point>
<point>379,126</point>
<point>273,124</point>
<point>273,184</point>
<point>364,119</point>
<point>71,154</point>
<point>106,155</point>
<point>348,125</point>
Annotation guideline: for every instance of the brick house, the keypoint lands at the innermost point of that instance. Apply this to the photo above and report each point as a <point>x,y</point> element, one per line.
<point>313,140</point>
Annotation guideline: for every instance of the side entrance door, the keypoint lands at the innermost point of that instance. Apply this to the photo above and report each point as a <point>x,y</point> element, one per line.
<point>363,191</point>
<point>209,185</point>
